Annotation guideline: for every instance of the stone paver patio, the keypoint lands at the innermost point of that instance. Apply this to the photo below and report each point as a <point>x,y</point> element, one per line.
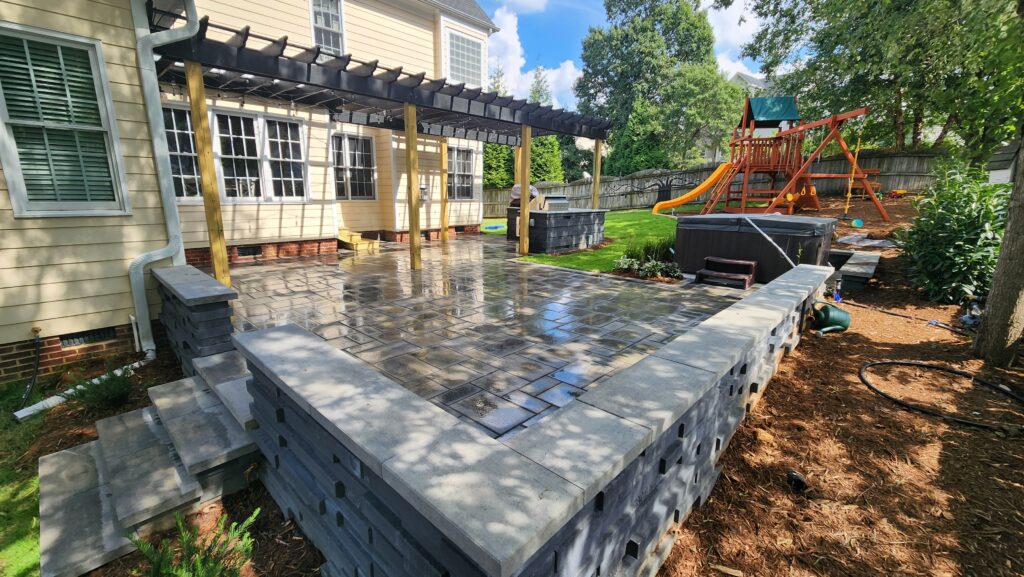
<point>499,344</point>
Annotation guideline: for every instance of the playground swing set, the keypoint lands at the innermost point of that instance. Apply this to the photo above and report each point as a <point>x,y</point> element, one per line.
<point>780,157</point>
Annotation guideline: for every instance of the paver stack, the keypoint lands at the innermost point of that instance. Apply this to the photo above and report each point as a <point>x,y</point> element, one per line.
<point>195,312</point>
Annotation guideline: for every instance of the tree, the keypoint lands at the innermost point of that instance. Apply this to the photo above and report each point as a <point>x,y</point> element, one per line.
<point>699,112</point>
<point>946,64</point>
<point>640,143</point>
<point>1003,323</point>
<point>499,159</point>
<point>632,59</point>
<point>545,155</point>
<point>575,160</point>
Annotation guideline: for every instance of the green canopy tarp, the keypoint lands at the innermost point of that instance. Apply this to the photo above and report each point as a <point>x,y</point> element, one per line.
<point>769,111</point>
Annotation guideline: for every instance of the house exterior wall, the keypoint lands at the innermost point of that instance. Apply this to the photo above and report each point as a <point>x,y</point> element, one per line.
<point>70,274</point>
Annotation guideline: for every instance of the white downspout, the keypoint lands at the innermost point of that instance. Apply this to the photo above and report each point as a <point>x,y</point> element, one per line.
<point>146,42</point>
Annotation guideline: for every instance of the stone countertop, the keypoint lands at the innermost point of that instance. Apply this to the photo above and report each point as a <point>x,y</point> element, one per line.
<point>192,286</point>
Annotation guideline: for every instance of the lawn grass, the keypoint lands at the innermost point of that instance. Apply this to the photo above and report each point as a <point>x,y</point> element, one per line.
<point>622,228</point>
<point>19,489</point>
<point>501,222</point>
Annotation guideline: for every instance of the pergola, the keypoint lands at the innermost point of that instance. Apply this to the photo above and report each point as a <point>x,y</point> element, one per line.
<point>358,92</point>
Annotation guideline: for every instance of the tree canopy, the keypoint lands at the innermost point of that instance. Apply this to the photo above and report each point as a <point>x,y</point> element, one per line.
<point>545,155</point>
<point>927,68</point>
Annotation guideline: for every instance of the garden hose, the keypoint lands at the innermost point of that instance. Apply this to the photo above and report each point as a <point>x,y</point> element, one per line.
<point>35,372</point>
<point>1000,388</point>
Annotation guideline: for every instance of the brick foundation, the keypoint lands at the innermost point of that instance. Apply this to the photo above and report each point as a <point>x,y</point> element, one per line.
<point>16,359</point>
<point>200,257</point>
<point>428,234</point>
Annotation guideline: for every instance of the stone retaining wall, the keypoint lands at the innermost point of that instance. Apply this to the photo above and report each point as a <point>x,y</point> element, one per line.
<point>195,312</point>
<point>384,482</point>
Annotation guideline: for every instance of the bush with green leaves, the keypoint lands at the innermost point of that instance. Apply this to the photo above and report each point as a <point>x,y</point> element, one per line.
<point>650,259</point>
<point>222,554</point>
<point>954,242</point>
<point>659,250</point>
<point>108,391</point>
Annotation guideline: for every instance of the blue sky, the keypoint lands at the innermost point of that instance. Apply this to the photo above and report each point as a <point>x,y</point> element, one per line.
<point>549,33</point>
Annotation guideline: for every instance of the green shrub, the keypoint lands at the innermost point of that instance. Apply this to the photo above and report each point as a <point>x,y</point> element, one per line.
<point>954,242</point>
<point>657,249</point>
<point>222,554</point>
<point>109,391</point>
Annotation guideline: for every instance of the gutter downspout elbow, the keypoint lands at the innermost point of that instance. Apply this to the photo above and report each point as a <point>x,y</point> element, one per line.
<point>146,42</point>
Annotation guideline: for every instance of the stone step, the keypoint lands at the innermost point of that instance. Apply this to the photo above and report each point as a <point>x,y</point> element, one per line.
<point>78,529</point>
<point>226,374</point>
<point>204,432</point>
<point>360,245</point>
<point>146,476</point>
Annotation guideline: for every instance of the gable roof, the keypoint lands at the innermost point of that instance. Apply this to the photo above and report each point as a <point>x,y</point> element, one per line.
<point>1003,157</point>
<point>770,111</point>
<point>468,9</point>
<point>753,81</point>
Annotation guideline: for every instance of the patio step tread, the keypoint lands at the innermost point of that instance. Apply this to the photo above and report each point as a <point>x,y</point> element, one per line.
<point>147,478</point>
<point>204,432</point>
<point>226,374</point>
<point>78,530</point>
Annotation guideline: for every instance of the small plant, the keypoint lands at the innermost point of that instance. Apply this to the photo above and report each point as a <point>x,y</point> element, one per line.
<point>627,264</point>
<point>222,554</point>
<point>654,268</point>
<point>108,391</point>
<point>659,250</point>
<point>954,242</point>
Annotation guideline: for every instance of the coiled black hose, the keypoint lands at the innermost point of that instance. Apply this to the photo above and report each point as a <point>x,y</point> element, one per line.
<point>35,375</point>
<point>1000,388</point>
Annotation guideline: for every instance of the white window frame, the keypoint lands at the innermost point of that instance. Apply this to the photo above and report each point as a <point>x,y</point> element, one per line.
<point>446,54</point>
<point>472,172</point>
<point>185,107</point>
<point>341,21</point>
<point>348,182</point>
<point>9,161</point>
<point>263,146</point>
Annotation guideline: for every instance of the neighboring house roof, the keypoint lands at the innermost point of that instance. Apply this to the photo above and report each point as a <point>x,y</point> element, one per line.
<point>748,80</point>
<point>770,111</point>
<point>1002,159</point>
<point>468,9</point>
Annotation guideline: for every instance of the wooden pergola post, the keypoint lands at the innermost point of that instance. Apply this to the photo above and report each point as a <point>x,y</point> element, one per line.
<point>526,140</point>
<point>207,172</point>
<point>443,143</point>
<point>412,178</point>
<point>595,191</point>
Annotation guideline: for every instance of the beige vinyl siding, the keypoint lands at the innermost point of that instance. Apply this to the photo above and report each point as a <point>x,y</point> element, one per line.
<point>396,33</point>
<point>369,215</point>
<point>460,212</point>
<point>71,274</point>
<point>273,18</point>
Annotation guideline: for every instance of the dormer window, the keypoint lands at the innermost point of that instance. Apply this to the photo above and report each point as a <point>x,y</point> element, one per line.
<point>327,28</point>
<point>465,60</point>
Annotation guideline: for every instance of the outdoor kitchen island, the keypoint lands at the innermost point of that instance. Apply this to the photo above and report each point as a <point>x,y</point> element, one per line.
<point>554,227</point>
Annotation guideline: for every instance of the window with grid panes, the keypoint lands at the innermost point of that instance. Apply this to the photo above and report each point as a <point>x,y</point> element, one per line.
<point>460,173</point>
<point>465,60</point>
<point>327,30</point>
<point>239,153</point>
<point>57,143</point>
<point>287,165</point>
<point>353,167</point>
<point>181,142</point>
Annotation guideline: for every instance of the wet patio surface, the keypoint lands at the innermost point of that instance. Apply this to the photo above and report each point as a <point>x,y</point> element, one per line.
<point>498,343</point>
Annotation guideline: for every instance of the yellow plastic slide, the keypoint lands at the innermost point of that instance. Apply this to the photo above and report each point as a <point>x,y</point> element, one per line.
<point>701,189</point>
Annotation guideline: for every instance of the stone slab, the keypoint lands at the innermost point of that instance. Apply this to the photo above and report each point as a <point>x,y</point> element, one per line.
<point>653,393</point>
<point>221,368</point>
<point>179,398</point>
<point>78,530</point>
<point>496,505</point>
<point>238,401</point>
<point>584,445</point>
<point>149,480</point>
<point>192,286</point>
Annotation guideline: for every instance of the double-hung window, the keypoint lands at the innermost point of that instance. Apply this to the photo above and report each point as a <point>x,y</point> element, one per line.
<point>58,142</point>
<point>181,143</point>
<point>327,27</point>
<point>465,59</point>
<point>287,165</point>
<point>260,158</point>
<point>460,173</point>
<point>353,167</point>
<point>239,155</point>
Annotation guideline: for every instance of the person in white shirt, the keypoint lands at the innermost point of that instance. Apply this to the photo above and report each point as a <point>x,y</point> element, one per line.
<point>516,194</point>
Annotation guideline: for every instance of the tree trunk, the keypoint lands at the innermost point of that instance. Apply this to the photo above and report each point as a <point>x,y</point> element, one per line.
<point>950,121</point>
<point>1003,323</point>
<point>918,130</point>
<point>899,125</point>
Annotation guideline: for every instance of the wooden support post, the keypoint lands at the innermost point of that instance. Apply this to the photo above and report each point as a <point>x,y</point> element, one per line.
<point>595,192</point>
<point>207,172</point>
<point>524,190</point>
<point>412,179</point>
<point>443,143</point>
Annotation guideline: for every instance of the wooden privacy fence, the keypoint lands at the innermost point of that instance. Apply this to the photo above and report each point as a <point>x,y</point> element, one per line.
<point>907,170</point>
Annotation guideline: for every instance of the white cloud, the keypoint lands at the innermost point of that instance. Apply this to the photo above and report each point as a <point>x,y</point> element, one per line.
<point>733,28</point>
<point>505,49</point>
<point>527,5</point>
